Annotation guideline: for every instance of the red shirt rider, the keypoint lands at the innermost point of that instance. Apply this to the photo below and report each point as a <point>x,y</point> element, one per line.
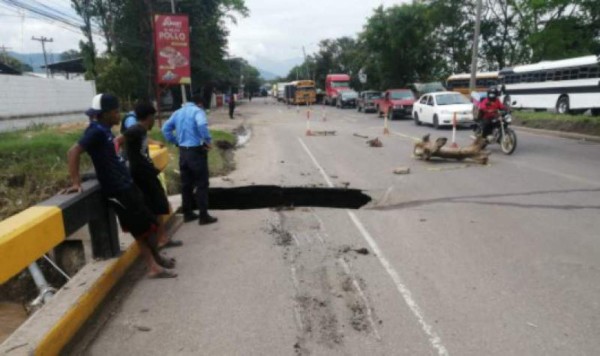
<point>489,107</point>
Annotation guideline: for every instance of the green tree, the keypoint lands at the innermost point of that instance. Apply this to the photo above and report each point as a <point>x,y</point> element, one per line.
<point>402,48</point>
<point>15,63</point>
<point>118,76</point>
<point>453,22</point>
<point>70,54</point>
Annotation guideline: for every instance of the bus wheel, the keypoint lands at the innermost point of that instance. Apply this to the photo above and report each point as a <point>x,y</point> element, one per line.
<point>562,105</point>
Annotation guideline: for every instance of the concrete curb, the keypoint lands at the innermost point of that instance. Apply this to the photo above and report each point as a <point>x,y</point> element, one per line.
<point>51,328</point>
<point>562,134</point>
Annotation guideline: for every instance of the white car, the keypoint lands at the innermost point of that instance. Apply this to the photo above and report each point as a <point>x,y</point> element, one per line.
<point>438,109</point>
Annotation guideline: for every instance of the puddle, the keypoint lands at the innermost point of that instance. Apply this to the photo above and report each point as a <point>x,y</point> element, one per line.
<point>12,315</point>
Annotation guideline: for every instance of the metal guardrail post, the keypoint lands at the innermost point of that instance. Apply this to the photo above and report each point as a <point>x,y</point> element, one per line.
<point>103,228</point>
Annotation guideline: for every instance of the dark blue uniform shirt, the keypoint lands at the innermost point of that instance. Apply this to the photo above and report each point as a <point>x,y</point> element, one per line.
<point>98,142</point>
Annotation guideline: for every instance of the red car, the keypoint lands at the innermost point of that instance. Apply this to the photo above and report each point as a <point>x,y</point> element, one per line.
<point>396,103</point>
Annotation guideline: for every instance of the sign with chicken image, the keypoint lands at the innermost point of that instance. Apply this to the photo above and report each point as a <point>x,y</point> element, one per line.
<point>172,43</point>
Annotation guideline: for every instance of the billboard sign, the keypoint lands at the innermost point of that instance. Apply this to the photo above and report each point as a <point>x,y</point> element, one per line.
<point>172,43</point>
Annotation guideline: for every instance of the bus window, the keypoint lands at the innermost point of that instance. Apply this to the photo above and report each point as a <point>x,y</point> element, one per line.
<point>574,74</point>
<point>594,72</point>
<point>583,72</point>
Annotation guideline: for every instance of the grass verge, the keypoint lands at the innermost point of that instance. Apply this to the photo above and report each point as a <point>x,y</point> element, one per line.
<point>582,124</point>
<point>34,164</point>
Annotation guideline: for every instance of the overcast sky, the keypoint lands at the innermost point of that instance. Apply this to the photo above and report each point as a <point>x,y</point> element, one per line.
<point>276,30</point>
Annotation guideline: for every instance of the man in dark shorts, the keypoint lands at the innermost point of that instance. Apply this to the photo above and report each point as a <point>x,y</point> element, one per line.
<point>142,169</point>
<point>116,182</point>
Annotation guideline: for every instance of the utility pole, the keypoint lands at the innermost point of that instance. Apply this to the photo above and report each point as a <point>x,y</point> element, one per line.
<point>43,40</point>
<point>475,47</point>
<point>306,63</point>
<point>183,95</point>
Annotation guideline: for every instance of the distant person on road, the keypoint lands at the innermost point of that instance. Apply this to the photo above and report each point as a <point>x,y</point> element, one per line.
<point>116,182</point>
<point>488,110</point>
<point>188,129</point>
<point>231,105</point>
<point>141,166</point>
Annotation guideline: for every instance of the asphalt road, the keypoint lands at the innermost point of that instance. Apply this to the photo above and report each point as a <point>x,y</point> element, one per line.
<point>462,259</point>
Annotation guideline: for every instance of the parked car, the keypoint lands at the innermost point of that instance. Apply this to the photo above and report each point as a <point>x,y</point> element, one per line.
<point>438,109</point>
<point>396,103</point>
<point>346,98</point>
<point>367,101</point>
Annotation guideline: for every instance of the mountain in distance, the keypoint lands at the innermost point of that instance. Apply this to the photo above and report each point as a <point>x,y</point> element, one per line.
<point>266,75</point>
<point>35,60</point>
<point>274,67</point>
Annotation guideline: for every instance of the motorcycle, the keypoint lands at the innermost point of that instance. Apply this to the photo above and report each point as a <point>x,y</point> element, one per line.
<point>501,133</point>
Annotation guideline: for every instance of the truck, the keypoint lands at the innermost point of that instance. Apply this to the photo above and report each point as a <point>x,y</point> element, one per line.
<point>280,94</point>
<point>396,103</point>
<point>334,84</point>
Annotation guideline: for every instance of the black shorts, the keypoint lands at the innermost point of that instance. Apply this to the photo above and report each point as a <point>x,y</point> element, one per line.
<point>154,194</point>
<point>134,215</point>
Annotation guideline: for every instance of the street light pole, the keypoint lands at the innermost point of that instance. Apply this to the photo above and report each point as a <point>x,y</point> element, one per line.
<point>183,94</point>
<point>475,47</point>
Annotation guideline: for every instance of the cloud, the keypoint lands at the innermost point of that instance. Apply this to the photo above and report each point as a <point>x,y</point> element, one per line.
<point>279,29</point>
<point>17,33</point>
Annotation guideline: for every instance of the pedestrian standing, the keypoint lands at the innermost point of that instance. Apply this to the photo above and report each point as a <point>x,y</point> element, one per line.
<point>116,183</point>
<point>231,105</point>
<point>143,172</point>
<point>188,129</point>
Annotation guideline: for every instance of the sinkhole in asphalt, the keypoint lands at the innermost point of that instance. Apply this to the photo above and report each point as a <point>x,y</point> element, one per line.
<point>271,196</point>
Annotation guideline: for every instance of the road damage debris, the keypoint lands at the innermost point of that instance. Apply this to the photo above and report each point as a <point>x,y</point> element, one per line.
<point>361,136</point>
<point>426,149</point>
<point>402,170</point>
<point>376,142</point>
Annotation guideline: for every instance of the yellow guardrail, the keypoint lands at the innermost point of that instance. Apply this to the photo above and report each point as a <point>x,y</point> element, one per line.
<point>28,235</point>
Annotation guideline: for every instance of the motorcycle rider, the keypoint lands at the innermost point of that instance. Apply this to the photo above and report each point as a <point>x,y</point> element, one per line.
<point>489,110</point>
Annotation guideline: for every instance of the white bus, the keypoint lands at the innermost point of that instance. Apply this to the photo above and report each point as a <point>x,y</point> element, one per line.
<point>567,86</point>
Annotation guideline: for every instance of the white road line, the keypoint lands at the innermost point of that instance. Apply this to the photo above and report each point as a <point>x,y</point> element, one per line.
<point>362,296</point>
<point>327,180</point>
<point>416,139</point>
<point>434,339</point>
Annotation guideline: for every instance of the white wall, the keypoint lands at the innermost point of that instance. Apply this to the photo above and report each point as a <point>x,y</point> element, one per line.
<point>28,96</point>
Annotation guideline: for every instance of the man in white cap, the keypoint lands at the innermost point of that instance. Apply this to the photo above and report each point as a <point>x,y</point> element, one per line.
<point>116,182</point>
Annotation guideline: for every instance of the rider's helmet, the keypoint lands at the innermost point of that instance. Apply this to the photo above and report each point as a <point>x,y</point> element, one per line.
<point>493,93</point>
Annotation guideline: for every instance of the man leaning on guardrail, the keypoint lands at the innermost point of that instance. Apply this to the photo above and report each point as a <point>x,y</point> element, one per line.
<point>116,182</point>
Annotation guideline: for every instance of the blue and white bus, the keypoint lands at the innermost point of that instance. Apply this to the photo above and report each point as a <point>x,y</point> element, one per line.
<point>567,86</point>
